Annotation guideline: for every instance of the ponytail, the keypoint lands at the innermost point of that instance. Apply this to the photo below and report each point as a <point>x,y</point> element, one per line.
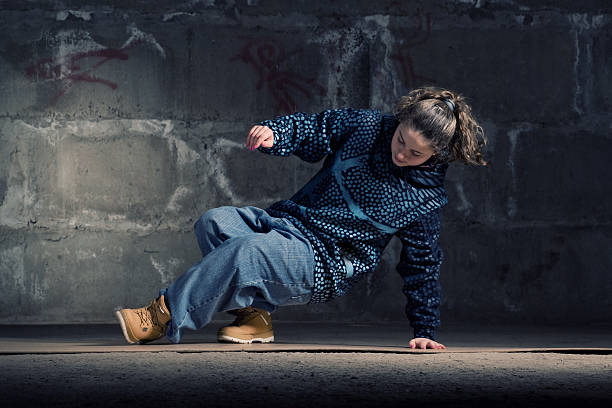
<point>446,120</point>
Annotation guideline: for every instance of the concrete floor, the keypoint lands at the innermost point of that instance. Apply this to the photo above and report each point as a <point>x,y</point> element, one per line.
<point>310,364</point>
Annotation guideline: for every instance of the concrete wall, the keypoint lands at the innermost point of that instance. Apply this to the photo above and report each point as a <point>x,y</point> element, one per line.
<point>122,122</point>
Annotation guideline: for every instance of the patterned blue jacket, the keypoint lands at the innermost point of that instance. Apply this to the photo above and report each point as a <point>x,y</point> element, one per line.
<point>359,200</point>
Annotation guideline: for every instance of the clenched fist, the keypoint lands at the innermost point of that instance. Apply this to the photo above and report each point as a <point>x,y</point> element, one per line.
<point>260,136</point>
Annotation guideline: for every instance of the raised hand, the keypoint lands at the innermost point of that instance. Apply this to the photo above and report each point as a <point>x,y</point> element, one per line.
<point>260,136</point>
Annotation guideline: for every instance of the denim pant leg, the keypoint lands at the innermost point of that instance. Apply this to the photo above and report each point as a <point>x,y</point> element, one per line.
<point>222,223</point>
<point>276,264</point>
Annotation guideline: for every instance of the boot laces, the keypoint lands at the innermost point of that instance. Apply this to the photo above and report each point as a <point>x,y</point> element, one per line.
<point>148,316</point>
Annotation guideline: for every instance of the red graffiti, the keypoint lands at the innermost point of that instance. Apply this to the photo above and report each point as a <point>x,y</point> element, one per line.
<point>266,57</point>
<point>406,61</point>
<point>79,66</point>
<point>69,68</point>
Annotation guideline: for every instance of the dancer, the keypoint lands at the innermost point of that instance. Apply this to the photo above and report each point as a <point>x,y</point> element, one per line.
<point>382,176</point>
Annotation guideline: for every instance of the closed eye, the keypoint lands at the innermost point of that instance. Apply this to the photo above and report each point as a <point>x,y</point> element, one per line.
<point>400,139</point>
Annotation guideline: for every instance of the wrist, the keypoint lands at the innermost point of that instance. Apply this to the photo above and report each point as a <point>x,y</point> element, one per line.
<point>426,332</point>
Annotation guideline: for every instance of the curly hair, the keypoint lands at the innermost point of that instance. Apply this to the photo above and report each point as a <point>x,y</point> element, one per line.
<point>453,133</point>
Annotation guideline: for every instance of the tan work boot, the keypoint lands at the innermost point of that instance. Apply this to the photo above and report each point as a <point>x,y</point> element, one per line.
<point>145,324</point>
<point>251,325</point>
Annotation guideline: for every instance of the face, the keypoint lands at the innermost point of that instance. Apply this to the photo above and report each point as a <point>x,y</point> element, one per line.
<point>409,147</point>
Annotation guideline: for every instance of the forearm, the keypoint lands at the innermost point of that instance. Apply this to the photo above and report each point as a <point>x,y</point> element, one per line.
<point>419,266</point>
<point>422,305</point>
<point>310,136</point>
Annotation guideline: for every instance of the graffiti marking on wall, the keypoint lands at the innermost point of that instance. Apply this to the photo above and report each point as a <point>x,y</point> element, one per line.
<point>80,65</point>
<point>403,55</point>
<point>266,57</point>
<point>69,69</point>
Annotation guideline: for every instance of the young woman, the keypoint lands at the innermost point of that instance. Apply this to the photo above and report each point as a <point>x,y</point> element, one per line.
<point>383,176</point>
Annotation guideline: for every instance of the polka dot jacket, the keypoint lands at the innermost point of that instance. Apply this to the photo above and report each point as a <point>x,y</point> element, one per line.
<point>359,200</point>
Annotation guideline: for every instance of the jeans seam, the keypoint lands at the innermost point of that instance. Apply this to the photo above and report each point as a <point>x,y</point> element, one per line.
<point>242,285</point>
<point>192,308</point>
<point>249,283</point>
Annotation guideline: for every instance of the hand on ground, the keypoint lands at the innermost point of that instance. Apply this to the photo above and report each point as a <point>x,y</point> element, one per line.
<point>420,342</point>
<point>260,136</point>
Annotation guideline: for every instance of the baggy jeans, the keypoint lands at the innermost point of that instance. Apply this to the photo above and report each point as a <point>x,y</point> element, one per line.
<point>248,258</point>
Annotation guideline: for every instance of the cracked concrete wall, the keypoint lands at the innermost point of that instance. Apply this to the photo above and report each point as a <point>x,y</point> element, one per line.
<point>122,122</point>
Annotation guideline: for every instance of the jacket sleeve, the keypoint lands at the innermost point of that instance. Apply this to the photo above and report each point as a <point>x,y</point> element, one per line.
<point>311,136</point>
<point>419,267</point>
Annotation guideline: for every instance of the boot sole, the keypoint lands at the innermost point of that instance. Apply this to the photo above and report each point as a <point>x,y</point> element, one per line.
<point>229,339</point>
<point>124,329</point>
